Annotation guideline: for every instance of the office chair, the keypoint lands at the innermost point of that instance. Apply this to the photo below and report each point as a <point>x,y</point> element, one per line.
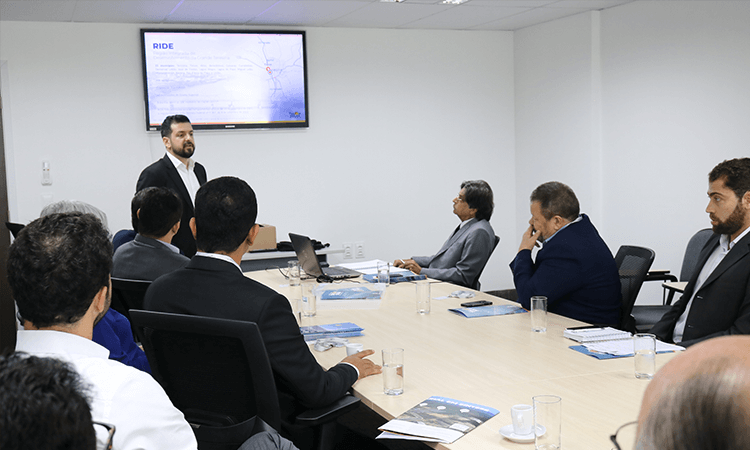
<point>14,228</point>
<point>127,295</point>
<point>475,285</point>
<point>217,372</point>
<point>646,316</point>
<point>632,265</point>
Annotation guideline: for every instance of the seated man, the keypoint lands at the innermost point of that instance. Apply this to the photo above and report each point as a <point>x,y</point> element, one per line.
<point>113,331</point>
<point>574,268</point>
<point>716,300</point>
<point>465,253</point>
<point>44,405</point>
<point>699,400</point>
<point>213,285</point>
<point>58,272</point>
<point>151,254</point>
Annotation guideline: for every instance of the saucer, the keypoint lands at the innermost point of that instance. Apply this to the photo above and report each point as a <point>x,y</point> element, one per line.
<point>507,432</point>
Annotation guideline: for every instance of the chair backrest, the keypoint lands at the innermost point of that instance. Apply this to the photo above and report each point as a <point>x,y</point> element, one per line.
<point>128,294</point>
<point>14,228</point>
<point>475,285</point>
<point>216,371</point>
<point>632,264</point>
<point>693,250</point>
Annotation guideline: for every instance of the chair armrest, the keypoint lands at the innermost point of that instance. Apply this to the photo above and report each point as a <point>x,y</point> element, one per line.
<point>663,275</point>
<point>315,417</point>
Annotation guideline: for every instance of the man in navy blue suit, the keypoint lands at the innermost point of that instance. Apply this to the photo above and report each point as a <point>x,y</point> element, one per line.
<point>574,268</point>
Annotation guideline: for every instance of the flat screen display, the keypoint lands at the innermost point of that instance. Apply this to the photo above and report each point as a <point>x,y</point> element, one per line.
<point>225,79</point>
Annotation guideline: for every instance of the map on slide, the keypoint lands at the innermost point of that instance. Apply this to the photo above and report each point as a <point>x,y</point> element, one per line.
<point>225,78</point>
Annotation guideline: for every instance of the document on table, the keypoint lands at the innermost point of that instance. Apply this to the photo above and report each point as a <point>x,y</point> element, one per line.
<point>371,267</point>
<point>625,347</point>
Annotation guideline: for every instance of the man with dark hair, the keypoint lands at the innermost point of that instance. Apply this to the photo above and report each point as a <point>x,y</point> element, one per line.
<point>177,171</point>
<point>716,300</point>
<point>44,405</point>
<point>151,254</point>
<point>467,250</point>
<point>213,285</point>
<point>574,268</point>
<point>700,400</point>
<point>58,271</point>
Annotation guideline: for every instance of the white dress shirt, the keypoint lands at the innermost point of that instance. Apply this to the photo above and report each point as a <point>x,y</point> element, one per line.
<point>131,400</point>
<point>711,263</point>
<point>187,173</point>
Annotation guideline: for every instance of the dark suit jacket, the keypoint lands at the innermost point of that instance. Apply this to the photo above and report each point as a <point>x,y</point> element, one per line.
<point>576,272</point>
<point>462,256</point>
<point>162,173</point>
<point>721,306</point>
<point>215,288</point>
<point>144,258</point>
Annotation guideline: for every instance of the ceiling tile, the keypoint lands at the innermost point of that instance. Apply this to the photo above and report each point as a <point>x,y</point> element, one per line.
<point>589,4</point>
<point>458,18</point>
<point>387,15</point>
<point>219,11</point>
<point>34,10</point>
<point>307,12</point>
<point>123,11</point>
<point>528,18</point>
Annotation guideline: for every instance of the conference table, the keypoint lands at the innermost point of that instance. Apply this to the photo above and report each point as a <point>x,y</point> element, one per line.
<point>494,361</point>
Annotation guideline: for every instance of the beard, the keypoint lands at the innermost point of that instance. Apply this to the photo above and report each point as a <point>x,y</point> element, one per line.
<point>732,224</point>
<point>186,151</point>
<point>106,306</point>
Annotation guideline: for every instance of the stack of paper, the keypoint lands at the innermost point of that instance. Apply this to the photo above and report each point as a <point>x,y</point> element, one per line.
<point>596,334</point>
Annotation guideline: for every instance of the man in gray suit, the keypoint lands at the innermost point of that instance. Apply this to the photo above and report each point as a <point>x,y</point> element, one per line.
<point>151,254</point>
<point>465,253</point>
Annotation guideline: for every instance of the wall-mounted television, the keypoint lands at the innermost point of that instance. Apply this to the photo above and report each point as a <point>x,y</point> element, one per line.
<point>225,79</point>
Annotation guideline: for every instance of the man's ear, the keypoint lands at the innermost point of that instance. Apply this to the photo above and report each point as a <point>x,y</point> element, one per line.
<point>166,141</point>
<point>138,213</point>
<point>746,200</point>
<point>176,227</point>
<point>252,234</point>
<point>100,299</point>
<point>192,226</point>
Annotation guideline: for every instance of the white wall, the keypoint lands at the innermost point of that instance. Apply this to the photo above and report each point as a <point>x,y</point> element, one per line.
<point>668,83</point>
<point>398,119</point>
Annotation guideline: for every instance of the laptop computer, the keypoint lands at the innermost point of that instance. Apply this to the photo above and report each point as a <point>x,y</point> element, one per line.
<point>308,260</point>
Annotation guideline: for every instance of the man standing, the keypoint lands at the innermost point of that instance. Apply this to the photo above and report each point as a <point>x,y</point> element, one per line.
<point>58,271</point>
<point>213,285</point>
<point>465,253</point>
<point>716,300</point>
<point>151,254</point>
<point>178,172</point>
<point>574,268</point>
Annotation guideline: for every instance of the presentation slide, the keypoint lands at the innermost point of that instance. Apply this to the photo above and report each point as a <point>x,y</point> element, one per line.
<point>225,78</point>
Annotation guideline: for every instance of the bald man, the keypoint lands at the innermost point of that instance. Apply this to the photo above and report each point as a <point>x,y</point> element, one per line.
<point>700,399</point>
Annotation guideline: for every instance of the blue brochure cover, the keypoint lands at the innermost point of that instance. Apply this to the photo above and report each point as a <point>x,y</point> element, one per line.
<point>351,293</point>
<point>395,278</point>
<point>486,311</point>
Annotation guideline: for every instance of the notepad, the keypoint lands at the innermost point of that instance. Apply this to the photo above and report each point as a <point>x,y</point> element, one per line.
<point>599,334</point>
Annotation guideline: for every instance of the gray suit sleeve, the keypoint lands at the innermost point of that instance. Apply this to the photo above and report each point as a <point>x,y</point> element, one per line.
<point>475,251</point>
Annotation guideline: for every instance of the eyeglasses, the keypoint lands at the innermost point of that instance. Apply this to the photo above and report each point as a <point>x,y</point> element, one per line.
<point>110,431</point>
<point>625,437</point>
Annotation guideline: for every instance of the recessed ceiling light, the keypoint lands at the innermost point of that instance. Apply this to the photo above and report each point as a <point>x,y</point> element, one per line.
<point>391,1</point>
<point>454,2</point>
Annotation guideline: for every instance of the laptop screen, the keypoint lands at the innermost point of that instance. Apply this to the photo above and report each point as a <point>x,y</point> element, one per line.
<point>306,254</point>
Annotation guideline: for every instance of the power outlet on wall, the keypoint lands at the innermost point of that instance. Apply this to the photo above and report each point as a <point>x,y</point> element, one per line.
<point>359,250</point>
<point>348,250</point>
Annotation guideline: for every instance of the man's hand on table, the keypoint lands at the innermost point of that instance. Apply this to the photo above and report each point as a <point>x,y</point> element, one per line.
<point>408,264</point>
<point>365,366</point>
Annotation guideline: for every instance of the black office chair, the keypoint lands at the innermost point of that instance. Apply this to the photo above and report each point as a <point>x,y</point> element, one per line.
<point>127,295</point>
<point>632,265</point>
<point>475,285</point>
<point>217,372</point>
<point>646,316</point>
<point>14,228</point>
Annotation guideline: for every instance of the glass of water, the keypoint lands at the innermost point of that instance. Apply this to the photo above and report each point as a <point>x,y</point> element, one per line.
<point>393,371</point>
<point>644,347</point>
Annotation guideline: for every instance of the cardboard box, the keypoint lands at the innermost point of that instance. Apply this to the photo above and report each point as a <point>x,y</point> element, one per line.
<point>266,238</point>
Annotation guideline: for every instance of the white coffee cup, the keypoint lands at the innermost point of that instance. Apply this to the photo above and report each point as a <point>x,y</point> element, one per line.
<point>523,419</point>
<point>352,348</point>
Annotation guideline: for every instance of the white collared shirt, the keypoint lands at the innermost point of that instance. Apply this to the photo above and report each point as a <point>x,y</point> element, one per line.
<point>121,395</point>
<point>170,246</point>
<point>712,262</point>
<point>187,173</point>
<point>578,219</point>
<point>221,257</point>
